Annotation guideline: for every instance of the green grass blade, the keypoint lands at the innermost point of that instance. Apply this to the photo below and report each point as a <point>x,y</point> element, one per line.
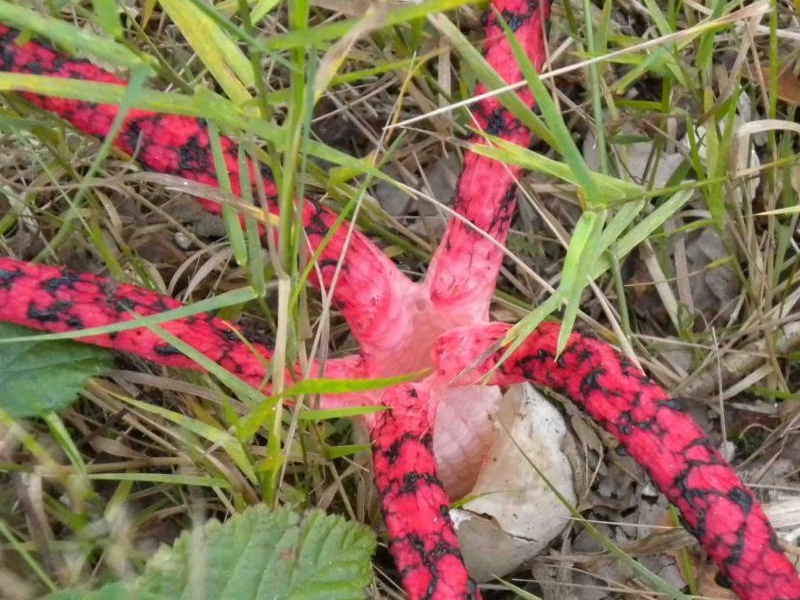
<point>70,36</point>
<point>223,58</point>
<point>201,306</point>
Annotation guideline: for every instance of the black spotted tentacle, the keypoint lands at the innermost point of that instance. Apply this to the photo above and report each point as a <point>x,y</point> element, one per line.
<point>58,300</point>
<point>464,269</point>
<point>367,280</point>
<point>415,505</point>
<point>715,505</point>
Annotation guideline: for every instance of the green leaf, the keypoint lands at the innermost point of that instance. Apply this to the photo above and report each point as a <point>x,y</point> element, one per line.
<point>112,591</point>
<point>40,377</point>
<point>259,553</point>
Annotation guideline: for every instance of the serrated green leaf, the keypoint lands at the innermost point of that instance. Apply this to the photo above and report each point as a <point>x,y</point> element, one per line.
<point>257,554</point>
<point>264,554</point>
<point>112,591</point>
<point>37,378</point>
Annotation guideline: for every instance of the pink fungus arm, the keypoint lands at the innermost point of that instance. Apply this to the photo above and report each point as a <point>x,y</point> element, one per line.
<point>415,506</point>
<point>58,300</point>
<point>464,269</point>
<point>367,281</point>
<point>715,505</point>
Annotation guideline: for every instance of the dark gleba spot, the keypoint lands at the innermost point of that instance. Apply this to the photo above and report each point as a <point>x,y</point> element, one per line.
<point>166,350</point>
<point>8,277</point>
<point>51,314</point>
<point>194,157</point>
<point>68,280</point>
